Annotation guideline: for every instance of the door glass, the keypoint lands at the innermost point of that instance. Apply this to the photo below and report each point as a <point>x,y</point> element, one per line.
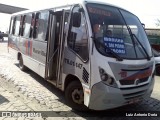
<point>77,36</point>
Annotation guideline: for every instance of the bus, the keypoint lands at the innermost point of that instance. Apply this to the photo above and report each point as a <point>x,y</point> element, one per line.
<point>69,46</point>
<point>154,38</point>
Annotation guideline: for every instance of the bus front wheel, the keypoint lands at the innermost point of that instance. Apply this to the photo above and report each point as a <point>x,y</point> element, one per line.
<point>75,97</point>
<point>21,65</point>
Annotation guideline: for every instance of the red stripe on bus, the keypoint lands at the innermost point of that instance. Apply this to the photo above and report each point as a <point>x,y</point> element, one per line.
<point>26,47</point>
<point>30,48</point>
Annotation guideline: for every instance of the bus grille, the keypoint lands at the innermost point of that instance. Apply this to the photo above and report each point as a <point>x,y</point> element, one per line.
<point>134,92</point>
<point>85,75</point>
<point>131,82</point>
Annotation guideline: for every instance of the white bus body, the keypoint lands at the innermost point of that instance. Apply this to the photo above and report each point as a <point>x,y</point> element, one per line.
<point>95,70</point>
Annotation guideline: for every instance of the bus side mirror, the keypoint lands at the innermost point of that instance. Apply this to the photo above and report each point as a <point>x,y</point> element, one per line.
<point>76,19</point>
<point>143,25</point>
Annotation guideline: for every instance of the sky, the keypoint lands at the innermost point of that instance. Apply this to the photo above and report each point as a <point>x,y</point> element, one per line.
<point>148,11</point>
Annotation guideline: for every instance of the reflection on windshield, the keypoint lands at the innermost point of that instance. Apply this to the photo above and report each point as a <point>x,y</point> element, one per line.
<point>109,28</point>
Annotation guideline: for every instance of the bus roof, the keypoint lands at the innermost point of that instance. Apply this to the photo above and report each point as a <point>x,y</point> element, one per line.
<point>68,5</point>
<point>35,10</point>
<point>104,3</point>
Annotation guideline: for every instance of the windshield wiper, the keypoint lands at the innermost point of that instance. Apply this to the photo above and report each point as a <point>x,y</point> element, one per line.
<point>112,52</point>
<point>134,36</point>
<point>148,58</point>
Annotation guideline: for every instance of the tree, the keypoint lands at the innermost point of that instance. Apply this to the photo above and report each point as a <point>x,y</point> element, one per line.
<point>158,22</point>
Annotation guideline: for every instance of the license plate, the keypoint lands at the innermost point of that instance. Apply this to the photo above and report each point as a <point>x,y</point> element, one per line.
<point>135,100</point>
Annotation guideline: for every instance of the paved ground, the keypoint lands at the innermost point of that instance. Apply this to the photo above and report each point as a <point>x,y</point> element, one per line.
<point>20,91</point>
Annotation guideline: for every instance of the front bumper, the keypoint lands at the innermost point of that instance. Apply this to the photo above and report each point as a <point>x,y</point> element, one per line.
<point>105,97</point>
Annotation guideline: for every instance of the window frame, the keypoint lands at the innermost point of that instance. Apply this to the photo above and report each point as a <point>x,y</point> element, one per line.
<point>32,25</point>
<point>28,20</point>
<point>87,34</point>
<point>36,26</point>
<point>13,25</point>
<point>18,18</point>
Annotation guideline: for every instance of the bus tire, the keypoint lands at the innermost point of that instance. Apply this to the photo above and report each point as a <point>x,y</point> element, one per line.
<point>75,97</point>
<point>21,65</point>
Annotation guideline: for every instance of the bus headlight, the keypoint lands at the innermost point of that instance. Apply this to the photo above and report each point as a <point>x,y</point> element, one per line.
<point>106,79</point>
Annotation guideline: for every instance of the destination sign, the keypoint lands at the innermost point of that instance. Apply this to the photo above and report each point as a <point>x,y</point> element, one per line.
<point>115,44</point>
<point>99,11</point>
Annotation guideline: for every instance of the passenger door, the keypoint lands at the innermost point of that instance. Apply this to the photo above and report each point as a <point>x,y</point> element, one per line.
<point>55,46</point>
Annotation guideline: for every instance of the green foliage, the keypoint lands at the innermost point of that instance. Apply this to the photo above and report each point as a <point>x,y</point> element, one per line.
<point>158,22</point>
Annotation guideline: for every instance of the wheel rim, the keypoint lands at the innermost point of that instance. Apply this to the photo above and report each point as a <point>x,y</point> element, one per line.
<point>77,96</point>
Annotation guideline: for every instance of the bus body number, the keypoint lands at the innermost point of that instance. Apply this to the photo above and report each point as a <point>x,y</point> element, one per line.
<point>70,62</point>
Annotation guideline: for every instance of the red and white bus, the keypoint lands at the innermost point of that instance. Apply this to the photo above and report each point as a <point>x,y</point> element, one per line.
<point>70,47</point>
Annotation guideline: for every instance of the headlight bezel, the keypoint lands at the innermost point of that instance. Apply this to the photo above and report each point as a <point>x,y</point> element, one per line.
<point>107,79</point>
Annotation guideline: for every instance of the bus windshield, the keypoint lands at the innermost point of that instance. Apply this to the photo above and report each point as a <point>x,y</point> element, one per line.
<point>118,31</point>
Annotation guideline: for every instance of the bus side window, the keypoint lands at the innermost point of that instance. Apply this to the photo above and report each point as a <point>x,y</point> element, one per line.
<point>41,24</point>
<point>14,25</point>
<point>11,25</point>
<point>17,24</point>
<point>23,25</point>
<point>20,27</point>
<point>32,25</point>
<point>77,36</point>
<point>26,25</point>
<point>35,31</point>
